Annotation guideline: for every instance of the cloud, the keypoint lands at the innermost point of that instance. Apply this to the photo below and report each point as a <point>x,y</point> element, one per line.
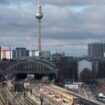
<point>9,2</point>
<point>4,1</point>
<point>75,2</point>
<point>71,25</point>
<point>56,2</point>
<point>62,28</point>
<point>15,21</point>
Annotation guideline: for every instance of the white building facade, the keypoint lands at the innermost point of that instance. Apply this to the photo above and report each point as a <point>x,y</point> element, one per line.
<point>84,64</point>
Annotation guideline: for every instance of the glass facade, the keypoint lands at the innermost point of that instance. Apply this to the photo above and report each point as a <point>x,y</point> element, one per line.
<point>96,50</point>
<point>32,67</point>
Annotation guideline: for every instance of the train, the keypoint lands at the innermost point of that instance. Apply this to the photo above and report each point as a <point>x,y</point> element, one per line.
<point>71,100</point>
<point>101,97</point>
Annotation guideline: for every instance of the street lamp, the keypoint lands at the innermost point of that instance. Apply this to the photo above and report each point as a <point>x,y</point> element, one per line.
<point>41,99</point>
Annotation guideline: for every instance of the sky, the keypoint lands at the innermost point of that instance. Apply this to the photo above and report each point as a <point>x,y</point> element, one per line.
<point>67,25</point>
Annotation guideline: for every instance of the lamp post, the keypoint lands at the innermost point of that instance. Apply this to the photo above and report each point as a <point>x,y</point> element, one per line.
<point>7,90</point>
<point>13,92</point>
<point>41,99</point>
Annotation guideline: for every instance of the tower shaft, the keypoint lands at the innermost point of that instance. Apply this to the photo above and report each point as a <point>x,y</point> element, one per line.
<point>39,35</point>
<point>39,16</point>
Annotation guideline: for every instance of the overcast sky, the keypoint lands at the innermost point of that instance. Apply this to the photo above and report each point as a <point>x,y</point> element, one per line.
<point>67,26</point>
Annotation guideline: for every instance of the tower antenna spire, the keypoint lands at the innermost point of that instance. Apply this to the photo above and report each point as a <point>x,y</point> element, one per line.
<point>38,1</point>
<point>39,16</point>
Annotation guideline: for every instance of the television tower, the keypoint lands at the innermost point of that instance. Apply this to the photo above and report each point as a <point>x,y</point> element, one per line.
<point>39,16</point>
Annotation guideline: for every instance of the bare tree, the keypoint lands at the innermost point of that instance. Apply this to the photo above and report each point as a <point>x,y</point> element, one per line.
<point>86,75</point>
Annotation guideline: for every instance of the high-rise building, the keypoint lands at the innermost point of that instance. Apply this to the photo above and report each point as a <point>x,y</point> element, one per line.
<point>20,52</point>
<point>13,54</point>
<point>96,50</point>
<point>0,52</point>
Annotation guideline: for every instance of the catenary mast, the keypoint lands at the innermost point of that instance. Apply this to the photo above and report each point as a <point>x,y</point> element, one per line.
<point>39,16</point>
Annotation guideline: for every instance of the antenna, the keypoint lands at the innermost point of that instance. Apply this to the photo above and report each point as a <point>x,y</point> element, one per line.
<point>38,1</point>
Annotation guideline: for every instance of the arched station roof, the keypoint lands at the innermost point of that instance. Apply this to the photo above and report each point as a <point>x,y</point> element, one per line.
<point>32,66</point>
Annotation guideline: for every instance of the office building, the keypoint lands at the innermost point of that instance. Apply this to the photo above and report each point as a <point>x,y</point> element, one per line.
<point>0,52</point>
<point>96,50</point>
<point>20,53</point>
<point>57,56</point>
<point>5,53</point>
<point>36,53</point>
<point>45,54</point>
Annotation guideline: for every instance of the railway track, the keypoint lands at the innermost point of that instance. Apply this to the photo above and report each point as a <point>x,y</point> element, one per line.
<point>22,97</point>
<point>2,102</point>
<point>4,98</point>
<point>50,101</point>
<point>47,100</point>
